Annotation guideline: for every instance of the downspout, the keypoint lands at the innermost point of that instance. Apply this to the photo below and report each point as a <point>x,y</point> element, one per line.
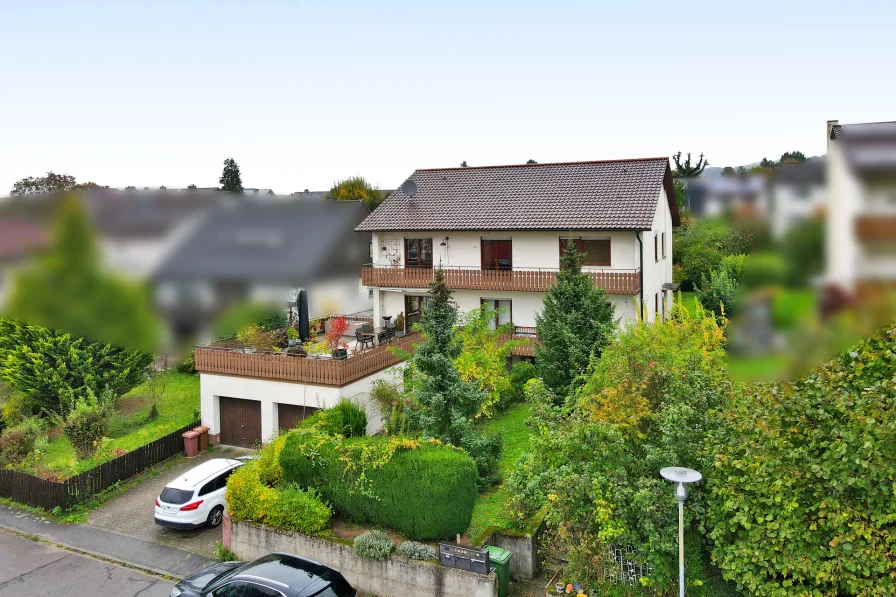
<point>641,271</point>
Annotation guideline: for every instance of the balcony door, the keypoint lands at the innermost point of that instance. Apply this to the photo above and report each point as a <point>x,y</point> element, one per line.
<point>418,252</point>
<point>503,308</point>
<point>413,308</point>
<point>497,254</point>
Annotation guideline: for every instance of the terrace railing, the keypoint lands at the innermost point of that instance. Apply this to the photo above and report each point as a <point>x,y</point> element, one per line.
<point>518,279</point>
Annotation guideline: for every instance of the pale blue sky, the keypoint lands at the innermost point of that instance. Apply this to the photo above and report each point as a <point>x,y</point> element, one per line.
<point>303,93</point>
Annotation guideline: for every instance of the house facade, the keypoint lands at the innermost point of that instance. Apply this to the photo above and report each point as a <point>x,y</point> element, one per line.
<point>798,193</point>
<point>498,233</point>
<point>861,222</point>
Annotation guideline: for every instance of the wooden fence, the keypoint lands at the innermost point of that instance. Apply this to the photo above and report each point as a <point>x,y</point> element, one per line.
<point>42,493</point>
<point>526,280</point>
<point>223,361</point>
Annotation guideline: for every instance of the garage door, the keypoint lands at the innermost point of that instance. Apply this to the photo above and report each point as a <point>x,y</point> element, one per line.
<point>240,422</point>
<point>289,415</point>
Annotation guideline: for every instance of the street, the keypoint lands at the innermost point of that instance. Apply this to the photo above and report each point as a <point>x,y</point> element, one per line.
<point>33,569</point>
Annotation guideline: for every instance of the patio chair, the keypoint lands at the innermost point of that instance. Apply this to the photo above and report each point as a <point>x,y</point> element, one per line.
<point>362,341</point>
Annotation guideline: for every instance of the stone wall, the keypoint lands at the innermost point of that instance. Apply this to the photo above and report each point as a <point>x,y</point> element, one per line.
<point>526,561</point>
<point>395,576</point>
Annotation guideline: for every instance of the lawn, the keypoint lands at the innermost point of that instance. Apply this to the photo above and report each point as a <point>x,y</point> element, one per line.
<point>491,508</point>
<point>688,300</point>
<point>130,427</point>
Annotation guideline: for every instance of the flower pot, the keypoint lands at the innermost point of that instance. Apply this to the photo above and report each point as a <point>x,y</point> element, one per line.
<point>291,342</point>
<point>340,353</point>
<point>399,334</point>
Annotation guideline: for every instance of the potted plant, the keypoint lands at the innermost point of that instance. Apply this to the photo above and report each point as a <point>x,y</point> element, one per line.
<point>293,336</point>
<point>338,327</point>
<point>399,325</point>
<point>318,350</point>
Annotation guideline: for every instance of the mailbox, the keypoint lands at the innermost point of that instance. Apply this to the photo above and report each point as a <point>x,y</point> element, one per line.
<point>465,558</point>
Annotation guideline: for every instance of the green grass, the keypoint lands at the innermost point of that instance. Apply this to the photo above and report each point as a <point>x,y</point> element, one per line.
<point>688,300</point>
<point>491,508</point>
<point>764,368</point>
<point>130,427</point>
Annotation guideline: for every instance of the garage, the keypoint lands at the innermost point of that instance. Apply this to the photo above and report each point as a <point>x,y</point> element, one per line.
<point>240,422</point>
<point>289,416</point>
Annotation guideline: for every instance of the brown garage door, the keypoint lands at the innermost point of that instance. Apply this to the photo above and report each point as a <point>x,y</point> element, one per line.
<point>240,422</point>
<point>289,415</point>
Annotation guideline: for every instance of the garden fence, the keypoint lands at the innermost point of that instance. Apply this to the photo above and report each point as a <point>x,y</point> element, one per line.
<point>43,493</point>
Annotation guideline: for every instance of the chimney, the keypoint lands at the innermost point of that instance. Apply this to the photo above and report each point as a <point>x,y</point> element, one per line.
<point>145,188</point>
<point>831,125</point>
<point>191,187</point>
<point>163,188</point>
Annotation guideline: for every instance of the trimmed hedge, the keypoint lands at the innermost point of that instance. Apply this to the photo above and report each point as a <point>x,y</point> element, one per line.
<point>422,489</point>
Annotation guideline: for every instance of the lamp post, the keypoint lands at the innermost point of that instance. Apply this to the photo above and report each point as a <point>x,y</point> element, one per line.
<point>681,476</point>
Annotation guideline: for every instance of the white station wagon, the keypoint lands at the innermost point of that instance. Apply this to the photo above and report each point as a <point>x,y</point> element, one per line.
<point>196,498</point>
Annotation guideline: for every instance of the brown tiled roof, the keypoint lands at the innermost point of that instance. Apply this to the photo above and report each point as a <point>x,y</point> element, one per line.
<point>18,238</point>
<point>606,195</point>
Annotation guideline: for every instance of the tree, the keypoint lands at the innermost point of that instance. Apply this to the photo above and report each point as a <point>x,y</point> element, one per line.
<point>681,195</point>
<point>46,185</point>
<point>792,157</point>
<point>766,163</point>
<point>728,171</point>
<point>446,403</point>
<point>574,325</point>
<point>230,180</point>
<point>463,164</point>
<point>687,169</point>
<point>528,162</point>
<point>355,188</point>
<point>67,289</point>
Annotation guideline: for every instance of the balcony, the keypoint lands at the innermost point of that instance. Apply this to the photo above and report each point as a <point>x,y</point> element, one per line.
<point>876,227</point>
<point>518,279</point>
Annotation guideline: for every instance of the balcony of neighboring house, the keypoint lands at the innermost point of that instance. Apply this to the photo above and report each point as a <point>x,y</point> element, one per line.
<point>876,227</point>
<point>613,281</point>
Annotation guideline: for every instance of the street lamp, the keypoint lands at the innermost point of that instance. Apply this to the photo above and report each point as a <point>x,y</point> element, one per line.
<point>681,476</point>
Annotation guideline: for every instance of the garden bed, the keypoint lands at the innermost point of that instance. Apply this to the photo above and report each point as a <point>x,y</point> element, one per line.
<point>130,428</point>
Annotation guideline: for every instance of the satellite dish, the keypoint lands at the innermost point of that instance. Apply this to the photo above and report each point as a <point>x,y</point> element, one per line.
<point>409,188</point>
<point>680,474</point>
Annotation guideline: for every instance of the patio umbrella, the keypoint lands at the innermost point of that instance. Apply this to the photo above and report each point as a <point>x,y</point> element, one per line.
<point>302,308</point>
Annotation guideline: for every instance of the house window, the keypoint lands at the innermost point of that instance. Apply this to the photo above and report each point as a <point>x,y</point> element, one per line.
<point>596,251</point>
<point>664,305</point>
<point>497,254</point>
<point>656,303</point>
<point>656,248</point>
<point>418,252</point>
<point>503,310</point>
<point>664,245</point>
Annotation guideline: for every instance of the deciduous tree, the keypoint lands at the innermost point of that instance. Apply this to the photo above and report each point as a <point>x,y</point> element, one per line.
<point>45,185</point>
<point>688,170</point>
<point>355,188</point>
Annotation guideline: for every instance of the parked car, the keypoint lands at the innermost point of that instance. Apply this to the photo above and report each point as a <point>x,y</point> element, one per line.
<point>196,498</point>
<point>274,575</point>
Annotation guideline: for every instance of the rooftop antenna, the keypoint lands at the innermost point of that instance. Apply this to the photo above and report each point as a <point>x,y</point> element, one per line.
<point>409,188</point>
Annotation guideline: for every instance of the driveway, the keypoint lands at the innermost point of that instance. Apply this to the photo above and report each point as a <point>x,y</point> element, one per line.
<point>132,512</point>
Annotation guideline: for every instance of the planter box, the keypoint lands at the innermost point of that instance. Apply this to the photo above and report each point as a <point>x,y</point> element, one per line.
<point>395,576</point>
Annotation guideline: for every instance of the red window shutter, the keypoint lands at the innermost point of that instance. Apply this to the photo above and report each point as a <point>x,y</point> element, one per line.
<point>497,254</point>
<point>597,251</point>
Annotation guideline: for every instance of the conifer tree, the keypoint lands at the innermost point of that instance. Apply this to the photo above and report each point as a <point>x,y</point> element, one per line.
<point>230,180</point>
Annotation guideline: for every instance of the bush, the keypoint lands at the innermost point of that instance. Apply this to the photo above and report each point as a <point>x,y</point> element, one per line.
<point>421,488</point>
<point>764,269</point>
<point>248,313</point>
<point>394,407</point>
<point>801,500</point>
<point>803,249</point>
<point>287,508</point>
<point>374,545</point>
<point>87,422</point>
<point>417,551</point>
<point>699,248</point>
<point>225,555</point>
<point>14,408</point>
<point>718,293</point>
<point>346,419</point>
<point>520,374</point>
<point>188,364</point>
<point>17,442</point>
<point>734,265</point>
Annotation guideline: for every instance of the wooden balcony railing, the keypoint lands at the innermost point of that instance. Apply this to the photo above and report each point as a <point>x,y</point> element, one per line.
<point>224,361</point>
<point>876,227</point>
<point>526,280</point>
<point>527,349</point>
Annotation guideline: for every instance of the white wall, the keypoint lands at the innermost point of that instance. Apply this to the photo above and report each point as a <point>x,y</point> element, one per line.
<point>790,206</point>
<point>271,393</point>
<point>658,272</point>
<point>844,203</point>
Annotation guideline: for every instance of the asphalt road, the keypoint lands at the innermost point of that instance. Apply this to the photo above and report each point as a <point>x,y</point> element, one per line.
<point>33,569</point>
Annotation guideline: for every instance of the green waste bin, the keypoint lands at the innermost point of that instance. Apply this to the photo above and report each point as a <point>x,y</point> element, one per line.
<point>500,560</point>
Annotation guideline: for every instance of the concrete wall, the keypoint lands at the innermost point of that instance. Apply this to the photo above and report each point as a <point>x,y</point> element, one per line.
<point>394,577</point>
<point>271,393</point>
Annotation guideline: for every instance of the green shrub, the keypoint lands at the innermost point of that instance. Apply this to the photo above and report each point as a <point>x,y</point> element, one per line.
<point>346,419</point>
<point>718,293</point>
<point>87,422</point>
<point>734,265</point>
<point>286,508</point>
<point>801,499</point>
<point>520,374</point>
<point>225,555</point>
<point>248,313</point>
<point>13,409</point>
<point>764,269</point>
<point>19,441</point>
<point>393,405</point>
<point>374,545</point>
<point>417,551</point>
<point>269,471</point>
<point>418,487</point>
<point>188,364</point>
<point>803,249</point>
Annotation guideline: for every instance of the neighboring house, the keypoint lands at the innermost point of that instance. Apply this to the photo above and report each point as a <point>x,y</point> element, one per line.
<point>740,195</point>
<point>19,240</point>
<point>266,252</point>
<point>797,193</point>
<point>262,192</point>
<point>861,222</point>
<point>498,232</point>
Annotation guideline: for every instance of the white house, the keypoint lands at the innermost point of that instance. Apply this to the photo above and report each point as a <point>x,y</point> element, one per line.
<point>798,193</point>
<point>498,232</point>
<point>861,222</point>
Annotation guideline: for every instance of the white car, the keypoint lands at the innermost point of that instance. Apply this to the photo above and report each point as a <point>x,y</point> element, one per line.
<point>196,498</point>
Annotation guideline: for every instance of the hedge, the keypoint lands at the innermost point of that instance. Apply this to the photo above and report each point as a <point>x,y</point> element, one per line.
<point>421,488</point>
<point>801,501</point>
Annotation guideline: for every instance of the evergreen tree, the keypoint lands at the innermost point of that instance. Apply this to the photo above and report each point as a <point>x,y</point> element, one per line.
<point>447,403</point>
<point>230,180</point>
<point>575,324</point>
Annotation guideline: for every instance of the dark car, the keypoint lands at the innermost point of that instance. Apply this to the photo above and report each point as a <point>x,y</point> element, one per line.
<point>274,575</point>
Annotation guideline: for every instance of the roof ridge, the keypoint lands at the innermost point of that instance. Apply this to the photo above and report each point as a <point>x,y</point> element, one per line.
<point>622,160</point>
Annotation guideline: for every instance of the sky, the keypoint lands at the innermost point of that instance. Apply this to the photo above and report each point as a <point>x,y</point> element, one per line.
<point>301,94</point>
